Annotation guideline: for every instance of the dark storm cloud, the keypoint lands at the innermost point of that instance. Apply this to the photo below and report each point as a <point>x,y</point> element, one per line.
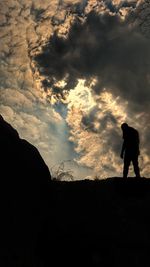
<point>105,47</point>
<point>88,122</point>
<point>115,8</point>
<point>92,117</point>
<point>142,17</point>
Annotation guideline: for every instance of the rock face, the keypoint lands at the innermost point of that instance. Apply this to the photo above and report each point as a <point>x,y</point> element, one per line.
<point>24,179</point>
<point>20,161</point>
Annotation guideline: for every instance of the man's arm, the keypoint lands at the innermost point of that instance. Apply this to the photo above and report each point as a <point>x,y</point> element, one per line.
<point>138,143</point>
<point>122,150</point>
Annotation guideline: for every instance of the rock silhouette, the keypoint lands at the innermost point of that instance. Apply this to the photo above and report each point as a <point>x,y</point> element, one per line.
<point>24,179</point>
<point>19,159</point>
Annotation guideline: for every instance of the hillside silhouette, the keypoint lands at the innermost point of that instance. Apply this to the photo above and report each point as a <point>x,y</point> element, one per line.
<point>53,223</point>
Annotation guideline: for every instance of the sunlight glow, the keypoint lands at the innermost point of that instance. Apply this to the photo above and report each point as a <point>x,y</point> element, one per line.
<point>81,97</point>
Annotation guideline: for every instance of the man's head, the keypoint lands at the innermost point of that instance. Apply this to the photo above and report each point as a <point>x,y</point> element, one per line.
<point>124,126</point>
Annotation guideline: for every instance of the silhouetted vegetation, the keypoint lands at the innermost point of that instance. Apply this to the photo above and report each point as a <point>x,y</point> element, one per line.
<point>60,172</point>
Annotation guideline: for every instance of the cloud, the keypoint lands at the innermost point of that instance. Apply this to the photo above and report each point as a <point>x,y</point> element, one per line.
<point>95,129</point>
<point>105,47</point>
<point>141,17</point>
<point>115,52</point>
<point>25,27</point>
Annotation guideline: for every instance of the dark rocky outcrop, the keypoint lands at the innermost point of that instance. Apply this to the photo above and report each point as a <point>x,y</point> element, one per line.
<point>20,161</point>
<point>24,180</point>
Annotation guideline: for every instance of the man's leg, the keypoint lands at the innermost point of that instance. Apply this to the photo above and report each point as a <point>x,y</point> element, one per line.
<point>127,161</point>
<point>136,166</point>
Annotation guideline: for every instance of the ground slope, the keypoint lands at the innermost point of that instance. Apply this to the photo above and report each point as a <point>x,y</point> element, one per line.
<point>97,223</point>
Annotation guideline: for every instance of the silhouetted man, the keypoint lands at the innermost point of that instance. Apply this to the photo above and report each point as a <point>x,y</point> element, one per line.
<point>130,149</point>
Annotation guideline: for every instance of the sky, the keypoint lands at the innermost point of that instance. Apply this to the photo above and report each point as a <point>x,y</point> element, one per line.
<point>71,72</point>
